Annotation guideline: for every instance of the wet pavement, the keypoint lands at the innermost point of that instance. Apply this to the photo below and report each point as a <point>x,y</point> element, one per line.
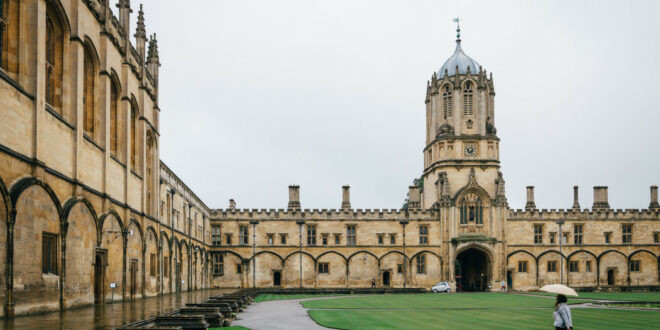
<point>108,316</point>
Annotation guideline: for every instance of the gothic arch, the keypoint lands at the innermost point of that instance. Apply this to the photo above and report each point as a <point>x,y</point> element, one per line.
<point>613,251</point>
<point>105,216</point>
<point>549,251</point>
<point>71,202</point>
<point>301,252</point>
<point>519,251</point>
<point>433,253</point>
<point>332,252</point>
<point>268,252</point>
<point>240,257</point>
<point>139,228</point>
<point>568,258</point>
<point>641,251</point>
<point>26,182</point>
<point>92,50</point>
<point>405,257</point>
<point>167,240</point>
<point>114,78</point>
<point>61,13</point>
<point>150,229</point>
<point>4,194</point>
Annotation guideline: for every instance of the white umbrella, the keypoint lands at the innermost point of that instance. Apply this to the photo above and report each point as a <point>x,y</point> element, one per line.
<point>559,288</point>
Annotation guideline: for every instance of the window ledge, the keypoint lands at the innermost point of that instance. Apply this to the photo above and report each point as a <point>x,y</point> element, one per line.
<point>117,160</point>
<point>59,117</point>
<point>90,140</point>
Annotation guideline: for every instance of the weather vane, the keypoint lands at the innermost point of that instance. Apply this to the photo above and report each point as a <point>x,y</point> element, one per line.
<point>458,28</point>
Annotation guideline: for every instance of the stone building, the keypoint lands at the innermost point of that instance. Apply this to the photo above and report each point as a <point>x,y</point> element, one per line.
<point>91,214</point>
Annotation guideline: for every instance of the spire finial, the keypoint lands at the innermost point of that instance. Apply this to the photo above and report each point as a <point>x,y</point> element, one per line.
<point>458,28</point>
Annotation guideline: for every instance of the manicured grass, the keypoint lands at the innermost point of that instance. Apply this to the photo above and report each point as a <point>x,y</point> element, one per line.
<point>433,300</point>
<point>482,319</point>
<point>627,296</point>
<point>267,297</point>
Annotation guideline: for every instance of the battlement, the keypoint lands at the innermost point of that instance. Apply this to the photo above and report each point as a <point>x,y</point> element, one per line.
<point>584,214</point>
<point>321,214</point>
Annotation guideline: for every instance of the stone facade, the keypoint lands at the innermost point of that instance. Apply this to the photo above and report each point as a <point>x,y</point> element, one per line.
<point>90,213</point>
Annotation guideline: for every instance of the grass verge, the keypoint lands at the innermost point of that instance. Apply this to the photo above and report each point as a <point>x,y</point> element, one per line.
<point>268,297</point>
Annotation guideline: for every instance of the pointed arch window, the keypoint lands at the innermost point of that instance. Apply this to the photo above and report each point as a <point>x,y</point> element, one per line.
<point>133,135</point>
<point>53,49</point>
<point>447,102</point>
<point>88,93</point>
<point>114,119</point>
<point>471,209</point>
<point>468,104</point>
<point>9,27</point>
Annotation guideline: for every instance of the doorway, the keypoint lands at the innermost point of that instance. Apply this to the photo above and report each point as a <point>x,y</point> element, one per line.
<point>277,278</point>
<point>99,276</point>
<point>509,280</point>
<point>610,276</point>
<point>386,278</point>
<point>472,270</point>
<point>133,274</point>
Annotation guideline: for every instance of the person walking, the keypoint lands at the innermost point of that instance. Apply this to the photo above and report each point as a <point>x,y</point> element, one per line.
<point>562,314</point>
<point>503,285</point>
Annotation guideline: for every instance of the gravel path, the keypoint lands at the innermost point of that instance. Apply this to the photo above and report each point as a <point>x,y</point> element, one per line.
<point>278,315</point>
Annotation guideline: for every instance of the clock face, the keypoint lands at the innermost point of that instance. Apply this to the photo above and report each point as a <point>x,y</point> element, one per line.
<point>470,150</point>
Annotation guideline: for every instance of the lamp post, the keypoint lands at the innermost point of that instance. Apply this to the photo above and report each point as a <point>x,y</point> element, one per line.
<point>561,261</point>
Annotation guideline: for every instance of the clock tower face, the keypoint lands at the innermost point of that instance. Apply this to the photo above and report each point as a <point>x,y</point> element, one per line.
<point>470,150</point>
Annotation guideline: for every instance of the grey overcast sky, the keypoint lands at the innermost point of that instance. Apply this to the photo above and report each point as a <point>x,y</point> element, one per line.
<point>257,95</point>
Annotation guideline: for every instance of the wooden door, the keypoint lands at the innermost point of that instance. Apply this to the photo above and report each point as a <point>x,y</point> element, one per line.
<point>133,274</point>
<point>99,276</point>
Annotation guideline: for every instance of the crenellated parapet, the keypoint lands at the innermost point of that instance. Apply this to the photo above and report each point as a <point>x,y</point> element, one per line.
<point>321,214</point>
<point>585,214</point>
<point>177,186</point>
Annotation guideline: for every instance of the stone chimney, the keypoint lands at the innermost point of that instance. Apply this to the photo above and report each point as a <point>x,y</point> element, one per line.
<point>346,197</point>
<point>530,205</point>
<point>576,204</point>
<point>294,197</point>
<point>414,198</point>
<point>232,204</point>
<point>654,198</point>
<point>600,198</point>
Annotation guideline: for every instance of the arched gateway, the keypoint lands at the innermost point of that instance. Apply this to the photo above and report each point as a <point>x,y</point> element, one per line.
<point>473,270</point>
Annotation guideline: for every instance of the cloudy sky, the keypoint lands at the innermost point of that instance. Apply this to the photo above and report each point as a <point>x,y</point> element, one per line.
<point>257,95</point>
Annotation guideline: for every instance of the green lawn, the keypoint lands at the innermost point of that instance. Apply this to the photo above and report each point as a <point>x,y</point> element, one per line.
<point>434,300</point>
<point>267,297</point>
<point>464,311</point>
<point>482,319</point>
<point>627,296</point>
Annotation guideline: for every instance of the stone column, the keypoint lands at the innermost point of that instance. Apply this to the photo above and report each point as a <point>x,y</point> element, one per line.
<point>294,197</point>
<point>600,198</point>
<point>576,204</point>
<point>530,205</point>
<point>346,197</point>
<point>654,198</point>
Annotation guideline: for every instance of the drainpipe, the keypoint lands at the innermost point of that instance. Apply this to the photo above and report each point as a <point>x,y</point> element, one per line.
<point>405,266</point>
<point>561,260</point>
<point>300,223</point>
<point>254,261</point>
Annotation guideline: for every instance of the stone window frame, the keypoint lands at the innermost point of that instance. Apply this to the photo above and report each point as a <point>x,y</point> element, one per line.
<point>152,265</point>
<point>392,238</point>
<point>538,234</point>
<point>337,238</point>
<point>635,266</point>
<point>420,262</point>
<point>166,266</point>
<point>587,266</point>
<point>283,238</point>
<point>218,264</point>
<point>399,268</point>
<point>310,234</point>
<point>324,239</point>
<point>551,266</point>
<point>324,268</point>
<point>351,235</point>
<point>381,238</point>
<point>49,253</point>
<point>626,237</point>
<point>243,234</point>
<point>607,236</point>
<point>552,237</point>
<point>239,268</point>
<point>270,238</point>
<point>574,266</point>
<point>656,237</point>
<point>522,266</point>
<point>578,233</point>
<point>447,101</point>
<point>468,99</point>
<point>424,234</point>
<point>228,237</point>
<point>216,237</point>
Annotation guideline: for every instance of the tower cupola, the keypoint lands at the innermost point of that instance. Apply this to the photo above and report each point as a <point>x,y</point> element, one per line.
<point>458,60</point>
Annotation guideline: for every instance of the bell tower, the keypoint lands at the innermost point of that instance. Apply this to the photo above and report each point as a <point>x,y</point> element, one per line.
<point>460,130</point>
<point>462,178</point>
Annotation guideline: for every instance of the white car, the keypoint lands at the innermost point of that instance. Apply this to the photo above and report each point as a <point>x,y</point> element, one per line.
<point>441,287</point>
